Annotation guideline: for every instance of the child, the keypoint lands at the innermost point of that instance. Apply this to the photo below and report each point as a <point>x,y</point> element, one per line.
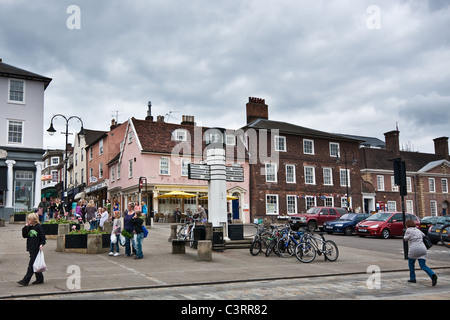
<point>117,230</point>
<point>137,222</point>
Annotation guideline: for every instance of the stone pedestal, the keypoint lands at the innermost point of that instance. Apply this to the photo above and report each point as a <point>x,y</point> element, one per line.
<point>204,250</point>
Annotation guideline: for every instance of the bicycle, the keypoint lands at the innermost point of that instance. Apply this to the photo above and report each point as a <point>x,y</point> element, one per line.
<point>444,229</point>
<point>260,240</point>
<point>311,244</point>
<point>273,240</point>
<point>186,232</point>
<point>288,241</point>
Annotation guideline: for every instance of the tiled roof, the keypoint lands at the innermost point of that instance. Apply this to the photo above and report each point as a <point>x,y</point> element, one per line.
<point>7,70</point>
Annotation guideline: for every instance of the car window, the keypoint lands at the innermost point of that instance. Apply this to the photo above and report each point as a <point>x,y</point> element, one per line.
<point>333,212</point>
<point>324,211</point>
<point>411,217</point>
<point>341,211</point>
<point>398,217</point>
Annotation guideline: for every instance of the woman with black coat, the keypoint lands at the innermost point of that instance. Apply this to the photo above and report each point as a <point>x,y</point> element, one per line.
<point>35,236</point>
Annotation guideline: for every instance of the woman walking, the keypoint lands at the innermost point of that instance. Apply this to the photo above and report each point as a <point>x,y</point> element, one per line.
<point>129,214</point>
<point>35,236</point>
<point>417,251</point>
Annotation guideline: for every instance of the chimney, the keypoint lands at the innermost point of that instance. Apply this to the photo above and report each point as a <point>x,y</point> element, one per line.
<point>149,116</point>
<point>257,109</point>
<point>113,124</point>
<point>441,147</point>
<point>188,120</point>
<point>160,118</point>
<point>392,142</point>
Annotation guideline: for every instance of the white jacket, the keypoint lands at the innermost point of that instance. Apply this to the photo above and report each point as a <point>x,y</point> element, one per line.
<point>416,247</point>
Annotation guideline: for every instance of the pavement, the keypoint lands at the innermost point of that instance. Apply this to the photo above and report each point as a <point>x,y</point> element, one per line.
<point>102,275</point>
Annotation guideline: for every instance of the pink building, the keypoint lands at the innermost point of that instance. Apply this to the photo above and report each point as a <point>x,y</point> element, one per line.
<point>160,152</point>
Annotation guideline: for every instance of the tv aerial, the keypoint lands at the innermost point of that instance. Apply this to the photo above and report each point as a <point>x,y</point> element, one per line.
<point>169,115</point>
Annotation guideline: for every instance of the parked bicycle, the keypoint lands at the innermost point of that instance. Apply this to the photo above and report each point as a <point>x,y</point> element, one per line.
<point>260,240</point>
<point>186,232</point>
<point>289,239</point>
<point>312,244</point>
<point>277,233</point>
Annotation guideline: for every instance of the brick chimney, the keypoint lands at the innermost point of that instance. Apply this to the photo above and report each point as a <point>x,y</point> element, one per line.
<point>441,147</point>
<point>392,142</point>
<point>188,120</point>
<point>257,109</point>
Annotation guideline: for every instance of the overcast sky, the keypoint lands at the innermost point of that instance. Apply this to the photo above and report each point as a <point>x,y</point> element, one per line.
<point>356,67</point>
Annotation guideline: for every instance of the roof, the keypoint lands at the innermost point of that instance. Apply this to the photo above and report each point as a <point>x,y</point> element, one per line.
<point>367,142</point>
<point>434,164</point>
<point>93,135</point>
<point>289,128</point>
<point>7,70</point>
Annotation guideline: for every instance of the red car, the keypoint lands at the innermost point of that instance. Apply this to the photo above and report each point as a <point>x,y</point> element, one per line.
<point>384,224</point>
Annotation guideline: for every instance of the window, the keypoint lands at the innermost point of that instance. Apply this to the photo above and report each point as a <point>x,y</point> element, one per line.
<point>271,172</point>
<point>327,177</point>
<point>334,149</point>
<point>290,173</point>
<point>391,206</point>
<point>130,168</point>
<point>394,187</point>
<point>179,135</point>
<point>164,166</point>
<point>16,91</point>
<point>184,167</point>
<point>380,183</point>
<point>130,137</point>
<point>230,140</point>
<point>291,204</point>
<point>444,186</point>
<point>310,202</point>
<point>433,207</point>
<point>15,132</point>
<point>408,184</point>
<point>113,173</point>
<point>100,170</point>
<point>271,204</point>
<point>310,177</point>
<point>91,173</point>
<point>100,147</point>
<point>308,146</point>
<point>409,206</point>
<point>328,202</point>
<point>345,177</point>
<point>55,176</point>
<point>54,161</point>
<point>280,143</point>
<point>90,154</point>
<point>432,184</point>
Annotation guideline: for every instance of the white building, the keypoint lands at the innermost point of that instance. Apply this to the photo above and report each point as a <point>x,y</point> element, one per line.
<point>21,138</point>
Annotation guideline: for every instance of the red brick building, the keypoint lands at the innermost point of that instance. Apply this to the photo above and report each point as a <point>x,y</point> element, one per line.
<point>427,179</point>
<point>293,168</point>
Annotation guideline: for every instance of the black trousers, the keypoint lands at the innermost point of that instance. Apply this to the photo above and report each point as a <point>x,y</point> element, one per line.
<point>30,271</point>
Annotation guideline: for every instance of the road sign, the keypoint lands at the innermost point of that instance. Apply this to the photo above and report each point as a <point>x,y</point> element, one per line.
<point>234,174</point>
<point>198,171</point>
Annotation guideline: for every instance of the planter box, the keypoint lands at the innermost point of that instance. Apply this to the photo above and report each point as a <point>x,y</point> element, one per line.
<point>83,243</point>
<point>50,229</point>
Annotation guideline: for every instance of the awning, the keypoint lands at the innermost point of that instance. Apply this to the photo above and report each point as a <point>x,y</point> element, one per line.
<point>80,195</point>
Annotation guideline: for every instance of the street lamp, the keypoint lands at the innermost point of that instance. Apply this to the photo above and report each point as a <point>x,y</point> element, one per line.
<point>347,178</point>
<point>51,130</point>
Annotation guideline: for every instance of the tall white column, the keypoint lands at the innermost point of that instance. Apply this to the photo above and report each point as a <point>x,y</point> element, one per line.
<point>217,187</point>
<point>10,180</point>
<point>37,183</point>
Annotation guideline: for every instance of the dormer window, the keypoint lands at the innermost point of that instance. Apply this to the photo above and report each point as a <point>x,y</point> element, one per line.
<point>179,135</point>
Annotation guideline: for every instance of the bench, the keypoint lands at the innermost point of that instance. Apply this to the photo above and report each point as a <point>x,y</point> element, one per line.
<point>178,246</point>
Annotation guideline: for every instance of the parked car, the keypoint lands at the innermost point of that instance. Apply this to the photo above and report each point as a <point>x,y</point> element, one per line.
<point>317,216</point>
<point>426,222</point>
<point>435,229</point>
<point>345,224</point>
<point>384,224</point>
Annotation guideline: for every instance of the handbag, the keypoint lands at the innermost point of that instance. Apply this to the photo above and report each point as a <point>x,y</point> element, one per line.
<point>39,264</point>
<point>427,242</point>
<point>145,231</point>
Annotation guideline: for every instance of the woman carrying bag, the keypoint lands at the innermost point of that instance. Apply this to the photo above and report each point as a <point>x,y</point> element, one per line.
<point>35,236</point>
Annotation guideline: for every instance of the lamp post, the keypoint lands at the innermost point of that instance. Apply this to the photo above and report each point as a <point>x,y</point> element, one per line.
<point>217,187</point>
<point>347,178</point>
<point>52,131</point>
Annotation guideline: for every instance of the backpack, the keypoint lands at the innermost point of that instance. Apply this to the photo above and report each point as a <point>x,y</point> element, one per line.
<point>145,231</point>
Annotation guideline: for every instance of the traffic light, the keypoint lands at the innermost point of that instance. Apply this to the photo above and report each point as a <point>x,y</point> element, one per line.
<point>142,183</point>
<point>400,176</point>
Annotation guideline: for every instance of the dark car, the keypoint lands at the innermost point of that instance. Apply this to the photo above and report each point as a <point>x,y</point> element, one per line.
<point>384,224</point>
<point>435,229</point>
<point>426,222</point>
<point>345,224</point>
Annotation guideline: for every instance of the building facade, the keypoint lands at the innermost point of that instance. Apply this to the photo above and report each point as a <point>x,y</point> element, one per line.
<point>21,138</point>
<point>293,168</point>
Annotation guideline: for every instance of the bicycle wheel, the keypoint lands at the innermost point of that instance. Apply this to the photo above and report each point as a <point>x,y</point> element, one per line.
<point>271,247</point>
<point>305,252</point>
<point>286,247</point>
<point>181,235</point>
<point>255,247</point>
<point>445,229</point>
<point>330,250</point>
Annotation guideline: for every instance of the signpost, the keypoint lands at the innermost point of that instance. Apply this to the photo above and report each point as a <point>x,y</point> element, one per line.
<point>203,172</point>
<point>400,181</point>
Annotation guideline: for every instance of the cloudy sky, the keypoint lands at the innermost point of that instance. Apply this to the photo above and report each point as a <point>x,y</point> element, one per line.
<point>356,66</point>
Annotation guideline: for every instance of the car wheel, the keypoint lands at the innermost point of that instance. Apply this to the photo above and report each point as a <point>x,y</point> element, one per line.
<point>385,234</point>
<point>312,226</point>
<point>348,231</point>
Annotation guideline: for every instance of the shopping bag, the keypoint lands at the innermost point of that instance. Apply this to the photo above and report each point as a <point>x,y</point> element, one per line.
<point>113,238</point>
<point>122,240</point>
<point>39,264</point>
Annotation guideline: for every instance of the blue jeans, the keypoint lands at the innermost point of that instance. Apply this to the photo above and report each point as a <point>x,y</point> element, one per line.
<point>423,266</point>
<point>115,244</point>
<point>138,245</point>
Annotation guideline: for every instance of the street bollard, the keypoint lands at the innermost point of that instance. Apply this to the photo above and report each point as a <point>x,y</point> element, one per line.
<point>204,250</point>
